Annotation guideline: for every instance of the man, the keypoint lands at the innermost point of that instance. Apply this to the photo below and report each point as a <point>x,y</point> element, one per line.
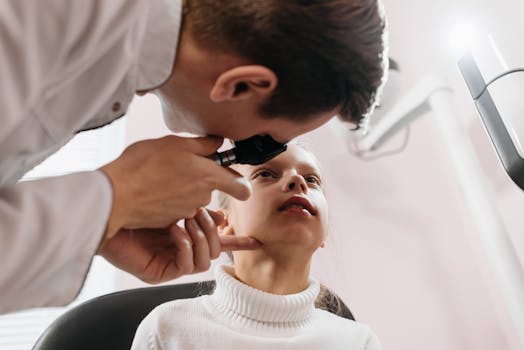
<point>228,68</point>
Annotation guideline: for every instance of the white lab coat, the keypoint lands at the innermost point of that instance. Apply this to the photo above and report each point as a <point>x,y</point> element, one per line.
<point>66,66</point>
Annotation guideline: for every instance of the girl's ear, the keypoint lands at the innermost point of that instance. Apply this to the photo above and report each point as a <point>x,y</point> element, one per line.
<point>225,228</point>
<point>323,244</point>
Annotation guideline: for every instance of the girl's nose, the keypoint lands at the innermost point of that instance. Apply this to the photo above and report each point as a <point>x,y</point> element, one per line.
<point>296,183</point>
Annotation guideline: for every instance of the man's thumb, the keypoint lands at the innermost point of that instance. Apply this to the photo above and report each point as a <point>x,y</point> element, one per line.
<point>204,146</point>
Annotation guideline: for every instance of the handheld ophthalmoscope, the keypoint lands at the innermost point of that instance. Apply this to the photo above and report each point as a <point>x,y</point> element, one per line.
<point>254,150</point>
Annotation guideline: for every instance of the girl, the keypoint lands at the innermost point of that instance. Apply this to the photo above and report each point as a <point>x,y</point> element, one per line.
<point>266,299</point>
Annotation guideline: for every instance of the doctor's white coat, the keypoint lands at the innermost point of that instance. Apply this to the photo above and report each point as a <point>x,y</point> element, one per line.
<point>66,66</point>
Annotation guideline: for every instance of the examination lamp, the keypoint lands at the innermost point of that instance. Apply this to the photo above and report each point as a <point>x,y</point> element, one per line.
<point>254,150</point>
<point>494,110</point>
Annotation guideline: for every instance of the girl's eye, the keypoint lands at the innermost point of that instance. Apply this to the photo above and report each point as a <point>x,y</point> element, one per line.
<point>313,179</point>
<point>265,174</point>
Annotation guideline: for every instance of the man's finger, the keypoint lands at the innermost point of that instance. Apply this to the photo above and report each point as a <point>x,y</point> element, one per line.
<point>229,181</point>
<point>208,225</point>
<point>200,246</point>
<point>203,146</point>
<point>217,216</point>
<point>184,250</point>
<point>229,243</point>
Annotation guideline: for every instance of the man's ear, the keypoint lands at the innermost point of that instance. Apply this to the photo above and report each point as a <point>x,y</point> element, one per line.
<point>224,228</point>
<point>244,82</point>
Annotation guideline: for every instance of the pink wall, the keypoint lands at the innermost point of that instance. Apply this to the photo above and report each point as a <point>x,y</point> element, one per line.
<point>403,251</point>
<point>400,251</point>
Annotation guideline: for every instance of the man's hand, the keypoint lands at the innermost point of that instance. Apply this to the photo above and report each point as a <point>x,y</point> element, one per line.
<point>158,255</point>
<point>158,182</point>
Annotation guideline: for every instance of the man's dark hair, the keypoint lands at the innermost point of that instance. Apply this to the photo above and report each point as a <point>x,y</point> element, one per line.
<point>327,54</point>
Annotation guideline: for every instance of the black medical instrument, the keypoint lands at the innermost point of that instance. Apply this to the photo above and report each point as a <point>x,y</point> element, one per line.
<point>254,150</point>
<point>508,154</point>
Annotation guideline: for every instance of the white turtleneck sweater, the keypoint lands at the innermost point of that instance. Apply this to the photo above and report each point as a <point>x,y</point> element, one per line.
<point>237,316</point>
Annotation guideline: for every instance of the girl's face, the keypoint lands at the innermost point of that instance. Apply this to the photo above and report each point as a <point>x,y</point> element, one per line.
<point>287,206</point>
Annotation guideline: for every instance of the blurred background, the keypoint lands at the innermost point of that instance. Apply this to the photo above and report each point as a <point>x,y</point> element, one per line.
<point>404,250</point>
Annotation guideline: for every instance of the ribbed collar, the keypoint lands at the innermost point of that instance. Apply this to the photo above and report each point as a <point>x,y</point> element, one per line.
<point>242,302</point>
<point>159,44</point>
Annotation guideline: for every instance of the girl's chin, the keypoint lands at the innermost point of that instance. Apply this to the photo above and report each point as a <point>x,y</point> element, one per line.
<point>288,244</point>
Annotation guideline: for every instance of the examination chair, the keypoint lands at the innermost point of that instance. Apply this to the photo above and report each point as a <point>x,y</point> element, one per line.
<point>110,321</point>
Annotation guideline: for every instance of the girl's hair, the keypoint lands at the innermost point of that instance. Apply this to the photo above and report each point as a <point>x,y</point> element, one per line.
<point>329,301</point>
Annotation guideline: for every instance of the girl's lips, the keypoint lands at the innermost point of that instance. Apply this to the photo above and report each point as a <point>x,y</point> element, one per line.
<point>298,202</point>
<point>296,210</point>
